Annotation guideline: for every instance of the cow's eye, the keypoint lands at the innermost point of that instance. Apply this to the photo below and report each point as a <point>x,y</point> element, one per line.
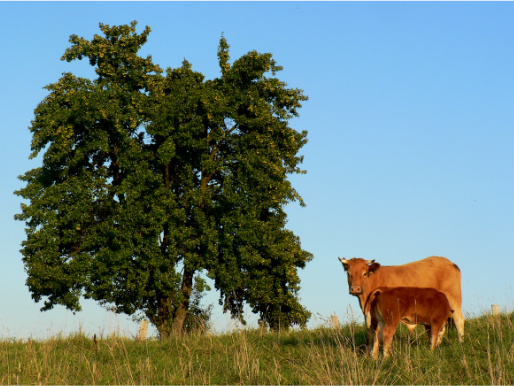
<point>365,274</point>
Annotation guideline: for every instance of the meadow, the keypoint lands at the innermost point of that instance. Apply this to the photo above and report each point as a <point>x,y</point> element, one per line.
<point>317,356</point>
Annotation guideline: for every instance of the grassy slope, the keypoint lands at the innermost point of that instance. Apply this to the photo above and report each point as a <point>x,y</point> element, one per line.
<point>321,356</point>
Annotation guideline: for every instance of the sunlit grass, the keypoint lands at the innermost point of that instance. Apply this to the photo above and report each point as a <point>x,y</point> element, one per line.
<point>317,356</point>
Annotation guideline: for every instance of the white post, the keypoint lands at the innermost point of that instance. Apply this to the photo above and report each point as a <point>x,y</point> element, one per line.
<point>335,321</point>
<point>495,309</point>
<point>143,330</point>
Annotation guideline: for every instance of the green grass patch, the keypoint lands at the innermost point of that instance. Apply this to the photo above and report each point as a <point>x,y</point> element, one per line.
<point>318,356</point>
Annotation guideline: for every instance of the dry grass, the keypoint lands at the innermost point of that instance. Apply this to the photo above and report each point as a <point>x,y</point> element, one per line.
<point>319,356</point>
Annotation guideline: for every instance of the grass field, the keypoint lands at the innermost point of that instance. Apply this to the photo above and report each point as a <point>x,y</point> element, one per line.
<point>318,356</point>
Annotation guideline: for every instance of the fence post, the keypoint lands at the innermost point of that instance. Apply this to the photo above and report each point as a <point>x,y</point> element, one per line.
<point>495,309</point>
<point>143,330</point>
<point>335,321</point>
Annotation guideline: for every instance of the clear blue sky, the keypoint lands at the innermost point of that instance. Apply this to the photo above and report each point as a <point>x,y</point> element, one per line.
<point>410,120</point>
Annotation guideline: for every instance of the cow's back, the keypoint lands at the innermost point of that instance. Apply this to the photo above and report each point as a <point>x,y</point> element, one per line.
<point>432,272</point>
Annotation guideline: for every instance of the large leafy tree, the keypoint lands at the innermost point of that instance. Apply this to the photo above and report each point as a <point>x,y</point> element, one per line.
<point>150,179</point>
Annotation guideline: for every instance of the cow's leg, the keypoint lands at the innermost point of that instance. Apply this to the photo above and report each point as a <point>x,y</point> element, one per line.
<point>369,340</point>
<point>370,334</point>
<point>458,318</point>
<point>428,329</point>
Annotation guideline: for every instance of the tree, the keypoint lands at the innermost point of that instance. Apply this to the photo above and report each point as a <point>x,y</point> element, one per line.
<point>149,181</point>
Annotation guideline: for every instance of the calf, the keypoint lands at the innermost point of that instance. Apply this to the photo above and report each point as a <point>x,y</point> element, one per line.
<point>386,307</point>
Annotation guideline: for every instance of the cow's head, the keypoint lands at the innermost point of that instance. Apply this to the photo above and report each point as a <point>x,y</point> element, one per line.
<point>358,271</point>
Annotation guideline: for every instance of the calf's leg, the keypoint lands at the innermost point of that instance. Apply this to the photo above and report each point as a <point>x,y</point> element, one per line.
<point>388,334</point>
<point>438,328</point>
<point>441,334</point>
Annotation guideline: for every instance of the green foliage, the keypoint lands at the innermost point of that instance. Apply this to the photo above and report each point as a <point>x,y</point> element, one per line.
<point>149,179</point>
<point>308,357</point>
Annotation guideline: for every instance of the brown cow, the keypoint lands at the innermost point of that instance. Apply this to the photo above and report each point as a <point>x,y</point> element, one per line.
<point>364,276</point>
<point>386,307</point>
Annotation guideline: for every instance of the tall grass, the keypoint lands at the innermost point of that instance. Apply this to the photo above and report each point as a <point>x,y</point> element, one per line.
<point>318,356</point>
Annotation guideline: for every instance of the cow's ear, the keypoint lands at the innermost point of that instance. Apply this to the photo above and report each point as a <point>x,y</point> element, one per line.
<point>346,263</point>
<point>373,267</point>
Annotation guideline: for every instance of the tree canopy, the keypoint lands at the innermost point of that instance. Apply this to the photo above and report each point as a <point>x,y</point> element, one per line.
<point>150,179</point>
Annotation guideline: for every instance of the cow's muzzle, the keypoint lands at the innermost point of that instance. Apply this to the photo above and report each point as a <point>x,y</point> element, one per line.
<point>355,290</point>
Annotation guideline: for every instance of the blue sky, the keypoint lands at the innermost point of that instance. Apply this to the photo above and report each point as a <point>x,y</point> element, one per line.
<point>410,119</point>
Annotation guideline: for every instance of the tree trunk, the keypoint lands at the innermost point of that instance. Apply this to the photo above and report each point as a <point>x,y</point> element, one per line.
<point>163,319</point>
<point>177,326</point>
